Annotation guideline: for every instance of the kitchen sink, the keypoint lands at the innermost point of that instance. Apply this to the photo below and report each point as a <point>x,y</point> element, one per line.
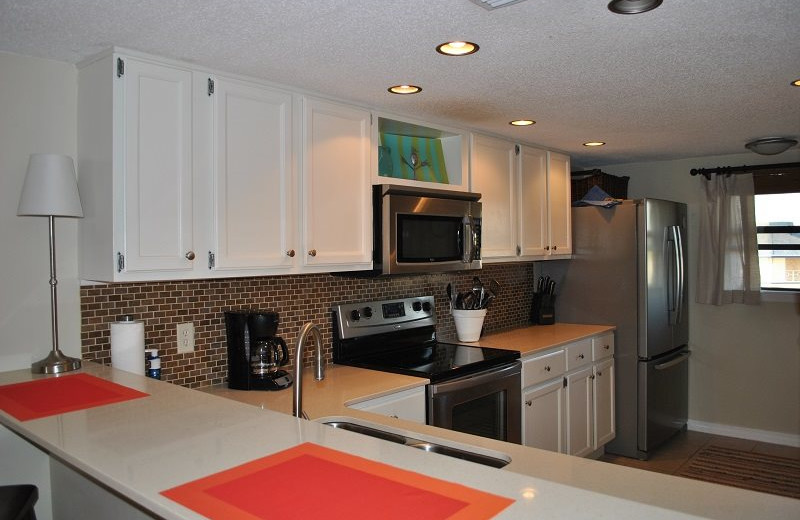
<point>496,460</point>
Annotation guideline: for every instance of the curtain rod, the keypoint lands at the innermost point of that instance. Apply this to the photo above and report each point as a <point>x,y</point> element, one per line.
<point>734,170</point>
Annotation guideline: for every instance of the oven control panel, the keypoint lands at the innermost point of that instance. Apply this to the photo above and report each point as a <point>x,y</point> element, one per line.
<point>375,317</point>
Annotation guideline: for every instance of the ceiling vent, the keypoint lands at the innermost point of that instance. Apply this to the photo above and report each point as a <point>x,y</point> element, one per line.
<point>494,4</point>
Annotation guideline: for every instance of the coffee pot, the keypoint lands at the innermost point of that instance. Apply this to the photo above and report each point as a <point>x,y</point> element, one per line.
<point>267,355</point>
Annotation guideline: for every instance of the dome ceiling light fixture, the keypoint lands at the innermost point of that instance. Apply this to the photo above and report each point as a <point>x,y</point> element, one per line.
<point>796,83</point>
<point>632,6</point>
<point>770,145</point>
<point>522,122</point>
<point>457,48</point>
<point>404,89</point>
<point>594,143</point>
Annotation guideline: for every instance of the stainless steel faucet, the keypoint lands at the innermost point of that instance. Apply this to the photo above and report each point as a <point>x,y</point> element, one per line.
<point>309,329</point>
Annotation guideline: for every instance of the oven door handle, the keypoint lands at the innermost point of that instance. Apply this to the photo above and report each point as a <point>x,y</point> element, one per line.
<point>477,379</point>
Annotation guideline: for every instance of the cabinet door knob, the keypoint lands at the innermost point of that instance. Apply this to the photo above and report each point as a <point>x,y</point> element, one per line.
<point>190,255</point>
<point>313,252</point>
<point>529,403</point>
<point>547,368</point>
<point>599,374</point>
<point>547,248</point>
<point>290,253</point>
<point>606,347</point>
<point>580,356</point>
<point>555,247</point>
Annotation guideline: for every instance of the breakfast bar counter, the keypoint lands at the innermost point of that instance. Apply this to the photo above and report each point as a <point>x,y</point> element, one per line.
<point>135,449</point>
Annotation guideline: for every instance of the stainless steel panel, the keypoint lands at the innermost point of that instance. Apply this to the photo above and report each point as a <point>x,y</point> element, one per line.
<point>664,402</point>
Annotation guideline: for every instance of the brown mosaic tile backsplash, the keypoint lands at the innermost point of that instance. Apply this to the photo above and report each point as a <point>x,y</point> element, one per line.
<point>298,299</point>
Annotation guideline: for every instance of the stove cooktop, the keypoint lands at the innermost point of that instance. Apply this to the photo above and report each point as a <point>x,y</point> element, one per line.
<point>437,362</point>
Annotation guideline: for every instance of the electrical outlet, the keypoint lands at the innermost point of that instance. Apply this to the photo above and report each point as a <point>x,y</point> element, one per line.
<point>185,337</point>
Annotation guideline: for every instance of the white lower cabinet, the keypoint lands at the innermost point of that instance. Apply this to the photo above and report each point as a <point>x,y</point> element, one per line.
<point>568,397</point>
<point>544,424</point>
<point>406,404</point>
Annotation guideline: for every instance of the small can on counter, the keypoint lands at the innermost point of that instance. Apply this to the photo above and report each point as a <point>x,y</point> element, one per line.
<point>152,363</point>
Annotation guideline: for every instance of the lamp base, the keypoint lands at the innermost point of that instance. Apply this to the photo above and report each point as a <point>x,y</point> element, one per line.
<point>55,363</point>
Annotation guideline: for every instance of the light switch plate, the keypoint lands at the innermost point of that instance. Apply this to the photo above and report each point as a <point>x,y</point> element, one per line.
<point>185,337</point>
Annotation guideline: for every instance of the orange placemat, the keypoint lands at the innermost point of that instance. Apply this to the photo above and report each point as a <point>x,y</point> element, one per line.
<point>311,481</point>
<point>61,394</point>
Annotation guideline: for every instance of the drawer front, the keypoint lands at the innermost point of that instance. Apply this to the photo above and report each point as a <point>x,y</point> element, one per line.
<point>579,353</point>
<point>603,346</point>
<point>543,367</point>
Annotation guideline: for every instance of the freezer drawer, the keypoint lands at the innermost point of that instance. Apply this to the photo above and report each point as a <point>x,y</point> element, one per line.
<point>663,398</point>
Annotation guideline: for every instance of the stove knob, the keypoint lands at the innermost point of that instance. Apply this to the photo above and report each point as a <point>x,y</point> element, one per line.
<point>426,306</point>
<point>367,312</point>
<point>355,315</point>
<point>417,306</point>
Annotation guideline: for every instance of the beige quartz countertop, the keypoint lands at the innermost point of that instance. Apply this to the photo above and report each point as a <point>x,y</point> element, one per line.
<point>529,340</point>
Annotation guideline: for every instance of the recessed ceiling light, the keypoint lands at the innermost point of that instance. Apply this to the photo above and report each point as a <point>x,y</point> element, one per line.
<point>594,143</point>
<point>457,48</point>
<point>522,122</point>
<point>404,89</point>
<point>632,6</point>
<point>796,83</point>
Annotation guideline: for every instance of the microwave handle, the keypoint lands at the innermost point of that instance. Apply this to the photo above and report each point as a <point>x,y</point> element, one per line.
<point>468,238</point>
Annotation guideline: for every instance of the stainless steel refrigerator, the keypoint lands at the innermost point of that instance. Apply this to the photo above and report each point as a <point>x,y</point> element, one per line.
<point>629,269</point>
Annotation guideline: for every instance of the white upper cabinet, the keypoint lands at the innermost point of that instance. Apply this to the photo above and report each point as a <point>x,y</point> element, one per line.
<point>336,196</point>
<point>525,199</point>
<point>494,176</point>
<point>559,204</point>
<point>533,202</point>
<point>135,165</point>
<point>252,177</point>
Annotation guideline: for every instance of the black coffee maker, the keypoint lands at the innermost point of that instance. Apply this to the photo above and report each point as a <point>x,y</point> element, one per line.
<point>255,353</point>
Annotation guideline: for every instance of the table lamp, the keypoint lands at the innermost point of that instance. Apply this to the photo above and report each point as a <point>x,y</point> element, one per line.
<point>51,190</point>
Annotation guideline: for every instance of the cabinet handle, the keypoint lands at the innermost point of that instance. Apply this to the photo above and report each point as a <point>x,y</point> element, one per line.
<point>555,247</point>
<point>190,255</point>
<point>547,368</point>
<point>290,253</point>
<point>606,347</point>
<point>313,252</point>
<point>519,251</point>
<point>580,356</point>
<point>529,403</point>
<point>599,374</point>
<point>547,248</point>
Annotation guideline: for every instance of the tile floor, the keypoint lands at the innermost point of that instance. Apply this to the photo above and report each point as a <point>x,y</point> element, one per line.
<point>676,452</point>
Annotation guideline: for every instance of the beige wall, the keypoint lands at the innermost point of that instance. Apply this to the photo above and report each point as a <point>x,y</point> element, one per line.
<point>38,106</point>
<point>745,367</point>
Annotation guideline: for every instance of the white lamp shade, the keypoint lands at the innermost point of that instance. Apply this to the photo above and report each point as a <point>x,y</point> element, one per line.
<point>50,187</point>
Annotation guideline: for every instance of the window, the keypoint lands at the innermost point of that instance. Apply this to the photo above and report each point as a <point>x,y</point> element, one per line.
<point>778,226</point>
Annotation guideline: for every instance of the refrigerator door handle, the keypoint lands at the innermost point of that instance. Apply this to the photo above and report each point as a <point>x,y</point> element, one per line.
<point>679,273</point>
<point>674,361</point>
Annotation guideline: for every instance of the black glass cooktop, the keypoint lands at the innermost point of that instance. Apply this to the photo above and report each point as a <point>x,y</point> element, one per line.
<point>436,361</point>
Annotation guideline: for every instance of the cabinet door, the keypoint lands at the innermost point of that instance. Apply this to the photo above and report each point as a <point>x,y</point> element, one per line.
<point>579,412</point>
<point>533,201</point>
<point>543,416</point>
<point>157,159</point>
<point>494,177</point>
<point>559,207</point>
<point>336,198</point>
<point>253,181</point>
<point>603,391</point>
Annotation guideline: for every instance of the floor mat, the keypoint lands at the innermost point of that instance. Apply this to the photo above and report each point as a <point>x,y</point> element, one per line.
<point>745,469</point>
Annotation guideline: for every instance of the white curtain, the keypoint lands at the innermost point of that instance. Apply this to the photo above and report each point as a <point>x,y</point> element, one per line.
<point>728,257</point>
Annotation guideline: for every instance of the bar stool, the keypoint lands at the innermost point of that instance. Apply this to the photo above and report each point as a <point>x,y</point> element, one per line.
<point>16,502</point>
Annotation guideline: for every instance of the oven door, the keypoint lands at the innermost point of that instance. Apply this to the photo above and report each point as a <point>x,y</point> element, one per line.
<point>487,404</point>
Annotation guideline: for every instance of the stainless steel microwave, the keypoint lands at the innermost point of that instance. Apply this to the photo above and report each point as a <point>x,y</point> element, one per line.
<point>420,230</point>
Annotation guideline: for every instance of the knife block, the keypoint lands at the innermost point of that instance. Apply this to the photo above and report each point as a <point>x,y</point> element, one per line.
<point>543,311</point>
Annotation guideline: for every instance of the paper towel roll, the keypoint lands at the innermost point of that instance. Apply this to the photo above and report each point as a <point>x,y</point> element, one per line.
<point>127,346</point>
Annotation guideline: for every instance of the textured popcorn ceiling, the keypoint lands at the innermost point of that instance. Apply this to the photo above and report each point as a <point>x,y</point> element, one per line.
<point>691,78</point>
